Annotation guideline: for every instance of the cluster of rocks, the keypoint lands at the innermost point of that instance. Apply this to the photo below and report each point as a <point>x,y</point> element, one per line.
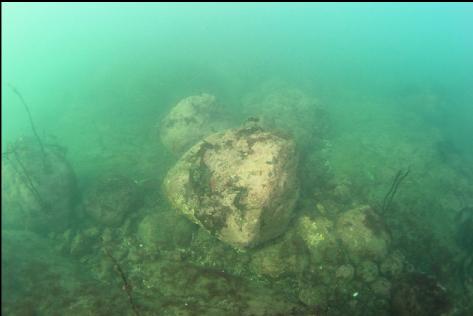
<point>345,261</point>
<point>41,193</point>
<point>239,183</point>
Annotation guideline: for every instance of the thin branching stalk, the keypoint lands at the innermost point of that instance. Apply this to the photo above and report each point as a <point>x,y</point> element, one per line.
<point>27,108</point>
<point>388,198</point>
<point>126,285</point>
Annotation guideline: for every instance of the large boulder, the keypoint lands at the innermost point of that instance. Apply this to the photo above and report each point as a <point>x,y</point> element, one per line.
<point>190,120</point>
<point>38,187</point>
<point>239,184</point>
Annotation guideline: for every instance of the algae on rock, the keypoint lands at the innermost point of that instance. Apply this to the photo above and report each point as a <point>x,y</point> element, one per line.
<point>363,234</point>
<point>239,184</point>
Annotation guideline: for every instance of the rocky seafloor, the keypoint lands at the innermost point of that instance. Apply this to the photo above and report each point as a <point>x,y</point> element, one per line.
<point>359,240</point>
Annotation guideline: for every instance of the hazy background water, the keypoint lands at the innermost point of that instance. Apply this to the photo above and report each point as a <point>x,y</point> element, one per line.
<point>72,57</point>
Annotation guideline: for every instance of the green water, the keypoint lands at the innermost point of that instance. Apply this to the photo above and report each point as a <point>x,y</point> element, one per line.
<point>367,91</point>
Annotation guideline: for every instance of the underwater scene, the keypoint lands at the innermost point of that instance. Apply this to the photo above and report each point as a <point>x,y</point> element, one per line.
<point>237,159</point>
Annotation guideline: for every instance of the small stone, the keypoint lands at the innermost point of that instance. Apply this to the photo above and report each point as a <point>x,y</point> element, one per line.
<point>367,271</point>
<point>286,256</point>
<point>393,265</point>
<point>316,296</point>
<point>381,287</point>
<point>345,272</point>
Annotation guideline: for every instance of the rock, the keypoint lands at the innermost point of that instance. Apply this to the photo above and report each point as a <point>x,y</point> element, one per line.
<point>79,245</point>
<point>83,242</point>
<point>419,294</point>
<point>190,120</point>
<point>345,272</point>
<point>239,184</point>
<point>464,229</point>
<point>165,230</point>
<point>316,296</point>
<point>41,281</point>
<point>393,265</point>
<point>38,190</point>
<point>111,198</point>
<point>363,234</point>
<point>381,287</point>
<point>319,237</point>
<point>287,256</point>
<point>107,235</point>
<point>367,271</point>
<point>219,292</point>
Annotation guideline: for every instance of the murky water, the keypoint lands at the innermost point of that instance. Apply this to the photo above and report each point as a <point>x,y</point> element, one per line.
<point>237,159</point>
